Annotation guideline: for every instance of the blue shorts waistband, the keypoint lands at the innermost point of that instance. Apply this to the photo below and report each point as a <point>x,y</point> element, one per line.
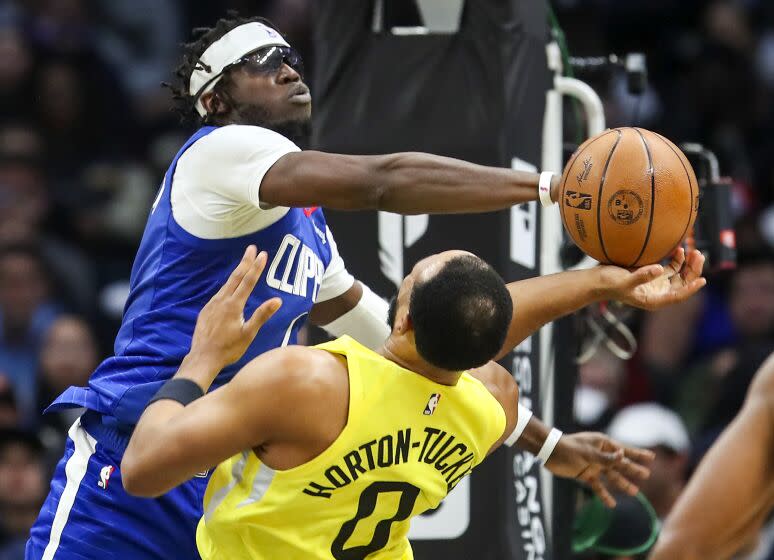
<point>111,437</point>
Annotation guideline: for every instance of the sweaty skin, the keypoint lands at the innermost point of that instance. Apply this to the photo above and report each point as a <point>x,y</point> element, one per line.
<point>732,492</point>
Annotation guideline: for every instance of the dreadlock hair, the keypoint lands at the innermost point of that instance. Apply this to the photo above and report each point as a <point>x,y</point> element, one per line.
<point>183,101</point>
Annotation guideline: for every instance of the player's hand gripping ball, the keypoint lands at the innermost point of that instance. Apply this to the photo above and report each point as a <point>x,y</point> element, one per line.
<point>628,197</point>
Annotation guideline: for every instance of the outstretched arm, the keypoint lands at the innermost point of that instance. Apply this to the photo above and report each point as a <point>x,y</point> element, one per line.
<point>591,458</point>
<point>540,300</point>
<point>732,491</point>
<point>406,183</point>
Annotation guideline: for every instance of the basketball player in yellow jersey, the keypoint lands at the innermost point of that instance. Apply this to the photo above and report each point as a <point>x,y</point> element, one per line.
<point>328,452</point>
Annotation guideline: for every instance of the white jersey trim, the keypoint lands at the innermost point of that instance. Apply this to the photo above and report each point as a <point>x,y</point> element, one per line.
<point>336,279</point>
<point>75,470</point>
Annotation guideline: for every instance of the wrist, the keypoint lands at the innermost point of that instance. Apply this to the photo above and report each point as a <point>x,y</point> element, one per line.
<point>555,181</point>
<point>201,368</point>
<point>601,287</point>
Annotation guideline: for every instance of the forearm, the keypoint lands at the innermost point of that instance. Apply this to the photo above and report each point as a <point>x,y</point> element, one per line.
<point>155,435</point>
<point>423,183</point>
<point>540,300</point>
<point>406,183</point>
<point>731,492</point>
<point>534,436</point>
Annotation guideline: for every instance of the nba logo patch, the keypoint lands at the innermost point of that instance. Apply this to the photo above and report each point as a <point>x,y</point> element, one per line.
<point>104,476</point>
<point>432,403</point>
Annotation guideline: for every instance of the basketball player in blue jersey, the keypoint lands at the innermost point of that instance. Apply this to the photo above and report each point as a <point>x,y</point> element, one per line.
<point>238,180</point>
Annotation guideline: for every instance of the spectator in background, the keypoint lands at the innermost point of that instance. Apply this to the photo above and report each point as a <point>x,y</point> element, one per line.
<point>600,382</point>
<point>25,203</point>
<point>81,120</point>
<point>26,312</point>
<point>68,356</point>
<point>652,426</point>
<point>16,64</point>
<point>711,392</point>
<point>9,413</point>
<point>22,490</point>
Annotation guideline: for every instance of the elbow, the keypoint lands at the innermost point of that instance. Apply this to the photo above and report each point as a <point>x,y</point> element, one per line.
<point>135,481</point>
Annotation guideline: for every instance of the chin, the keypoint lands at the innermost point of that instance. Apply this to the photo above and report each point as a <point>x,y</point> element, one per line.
<point>296,129</point>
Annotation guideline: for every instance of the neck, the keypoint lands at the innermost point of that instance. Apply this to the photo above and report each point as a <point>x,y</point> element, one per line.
<point>394,351</point>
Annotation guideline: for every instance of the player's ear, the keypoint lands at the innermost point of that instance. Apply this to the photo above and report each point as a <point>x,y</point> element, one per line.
<point>214,103</point>
<point>403,323</point>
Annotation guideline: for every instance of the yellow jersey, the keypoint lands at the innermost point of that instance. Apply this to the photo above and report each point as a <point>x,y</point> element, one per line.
<point>407,442</point>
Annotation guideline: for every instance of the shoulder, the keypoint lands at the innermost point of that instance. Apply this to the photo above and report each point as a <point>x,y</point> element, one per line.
<point>497,380</point>
<point>296,372</point>
<point>236,142</point>
<point>246,137</point>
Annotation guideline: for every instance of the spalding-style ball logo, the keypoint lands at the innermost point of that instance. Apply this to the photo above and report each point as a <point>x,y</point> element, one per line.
<point>625,207</point>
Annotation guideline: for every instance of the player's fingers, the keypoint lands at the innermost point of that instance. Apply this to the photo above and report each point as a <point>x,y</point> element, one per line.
<point>621,483</point>
<point>608,458</point>
<point>645,274</point>
<point>631,470</point>
<point>639,455</point>
<point>236,275</point>
<point>678,259</point>
<point>694,266</point>
<point>684,292</point>
<point>250,278</point>
<point>262,314</point>
<point>599,489</point>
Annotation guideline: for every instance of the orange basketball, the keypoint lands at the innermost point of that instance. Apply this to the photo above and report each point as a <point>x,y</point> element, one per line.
<point>628,197</point>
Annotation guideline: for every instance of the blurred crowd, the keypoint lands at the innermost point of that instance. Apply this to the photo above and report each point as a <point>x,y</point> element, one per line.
<point>86,135</point>
<point>711,80</point>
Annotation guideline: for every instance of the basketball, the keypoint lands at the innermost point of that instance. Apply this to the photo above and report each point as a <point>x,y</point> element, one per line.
<point>628,197</point>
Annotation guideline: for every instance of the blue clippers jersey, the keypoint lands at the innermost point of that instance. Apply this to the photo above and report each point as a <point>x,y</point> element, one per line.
<point>174,275</point>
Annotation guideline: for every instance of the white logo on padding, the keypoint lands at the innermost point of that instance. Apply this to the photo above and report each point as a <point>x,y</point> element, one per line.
<point>432,404</point>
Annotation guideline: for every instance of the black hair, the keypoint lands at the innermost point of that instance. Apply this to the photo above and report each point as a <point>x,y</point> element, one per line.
<point>461,314</point>
<point>184,102</point>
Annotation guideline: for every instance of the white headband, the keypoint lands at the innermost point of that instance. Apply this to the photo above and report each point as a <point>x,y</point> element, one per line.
<point>227,50</point>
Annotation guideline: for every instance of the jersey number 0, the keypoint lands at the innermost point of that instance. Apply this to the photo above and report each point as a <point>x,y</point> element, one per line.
<point>365,508</point>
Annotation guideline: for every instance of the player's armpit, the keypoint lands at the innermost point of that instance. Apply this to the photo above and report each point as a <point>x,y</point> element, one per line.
<point>172,443</point>
<point>732,491</point>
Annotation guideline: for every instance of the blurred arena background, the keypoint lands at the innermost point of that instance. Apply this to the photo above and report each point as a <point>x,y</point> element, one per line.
<point>86,134</point>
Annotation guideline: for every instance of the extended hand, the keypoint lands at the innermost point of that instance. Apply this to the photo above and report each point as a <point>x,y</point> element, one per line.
<point>654,286</point>
<point>222,335</point>
<point>595,459</point>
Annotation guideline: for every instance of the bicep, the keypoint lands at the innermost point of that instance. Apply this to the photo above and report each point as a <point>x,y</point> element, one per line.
<point>312,178</point>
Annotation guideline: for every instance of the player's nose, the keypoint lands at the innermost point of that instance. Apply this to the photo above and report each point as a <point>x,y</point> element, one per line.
<point>287,74</point>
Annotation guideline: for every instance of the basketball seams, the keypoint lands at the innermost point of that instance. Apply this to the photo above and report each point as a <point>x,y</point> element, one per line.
<point>566,174</point>
<point>690,184</point>
<point>575,158</point>
<point>652,171</point>
<point>599,194</point>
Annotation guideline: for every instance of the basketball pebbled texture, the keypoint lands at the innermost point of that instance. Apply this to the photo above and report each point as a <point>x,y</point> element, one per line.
<point>628,197</point>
